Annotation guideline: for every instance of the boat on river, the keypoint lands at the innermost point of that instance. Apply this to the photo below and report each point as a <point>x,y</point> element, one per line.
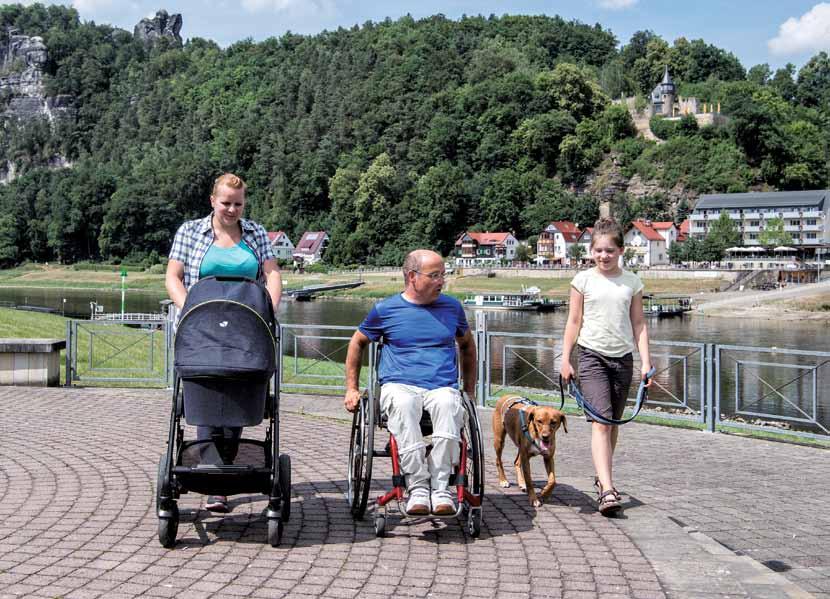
<point>528,299</point>
<point>666,306</point>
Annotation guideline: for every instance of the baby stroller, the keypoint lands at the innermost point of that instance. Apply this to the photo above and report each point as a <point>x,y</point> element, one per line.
<point>225,357</point>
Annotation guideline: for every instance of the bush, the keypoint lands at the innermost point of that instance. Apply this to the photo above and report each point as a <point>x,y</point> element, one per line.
<point>157,269</point>
<point>316,269</point>
<point>662,128</point>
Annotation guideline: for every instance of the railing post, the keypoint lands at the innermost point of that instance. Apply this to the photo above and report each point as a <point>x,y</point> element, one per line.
<point>709,390</point>
<point>481,353</point>
<point>68,353</point>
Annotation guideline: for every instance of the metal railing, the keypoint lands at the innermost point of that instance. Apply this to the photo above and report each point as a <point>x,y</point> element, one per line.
<point>112,352</point>
<point>715,386</point>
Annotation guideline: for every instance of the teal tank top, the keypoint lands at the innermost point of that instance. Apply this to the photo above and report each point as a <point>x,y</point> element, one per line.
<point>236,261</point>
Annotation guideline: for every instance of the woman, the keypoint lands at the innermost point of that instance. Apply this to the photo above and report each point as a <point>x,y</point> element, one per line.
<point>222,244</point>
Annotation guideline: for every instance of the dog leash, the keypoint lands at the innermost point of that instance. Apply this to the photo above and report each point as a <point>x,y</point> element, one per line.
<point>575,392</point>
<point>523,419</point>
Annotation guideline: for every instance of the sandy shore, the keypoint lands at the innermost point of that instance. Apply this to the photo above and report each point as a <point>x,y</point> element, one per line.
<point>789,304</point>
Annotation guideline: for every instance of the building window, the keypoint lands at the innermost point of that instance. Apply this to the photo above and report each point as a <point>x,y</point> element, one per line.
<point>810,235</point>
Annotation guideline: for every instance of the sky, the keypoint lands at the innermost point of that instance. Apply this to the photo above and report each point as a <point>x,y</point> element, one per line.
<point>756,31</point>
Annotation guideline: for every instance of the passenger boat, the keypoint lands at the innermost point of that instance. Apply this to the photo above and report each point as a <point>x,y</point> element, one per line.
<point>666,306</point>
<point>528,299</point>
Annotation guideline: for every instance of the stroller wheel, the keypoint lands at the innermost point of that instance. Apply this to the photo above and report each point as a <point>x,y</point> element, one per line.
<point>285,486</point>
<point>275,528</point>
<point>168,527</point>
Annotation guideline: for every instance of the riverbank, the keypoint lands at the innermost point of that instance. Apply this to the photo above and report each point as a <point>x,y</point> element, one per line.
<point>376,285</point>
<point>798,303</point>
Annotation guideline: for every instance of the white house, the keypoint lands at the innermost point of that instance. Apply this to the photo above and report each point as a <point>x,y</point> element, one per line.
<point>555,240</point>
<point>282,246</point>
<point>668,231</point>
<point>649,246</point>
<point>584,240</point>
<point>311,246</point>
<point>484,248</point>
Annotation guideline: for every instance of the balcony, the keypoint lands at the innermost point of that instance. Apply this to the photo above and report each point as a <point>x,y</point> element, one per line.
<point>812,227</point>
<point>755,215</point>
<point>792,227</point>
<point>752,228</point>
<point>813,214</point>
<point>697,216</point>
<point>791,214</point>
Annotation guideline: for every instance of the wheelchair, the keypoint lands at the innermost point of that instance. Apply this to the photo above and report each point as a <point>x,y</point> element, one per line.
<point>468,476</point>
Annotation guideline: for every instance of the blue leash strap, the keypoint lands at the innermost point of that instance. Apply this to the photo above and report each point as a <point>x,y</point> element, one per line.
<point>575,392</point>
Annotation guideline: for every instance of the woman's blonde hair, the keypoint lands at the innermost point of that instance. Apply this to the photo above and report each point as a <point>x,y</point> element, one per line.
<point>608,226</point>
<point>228,180</point>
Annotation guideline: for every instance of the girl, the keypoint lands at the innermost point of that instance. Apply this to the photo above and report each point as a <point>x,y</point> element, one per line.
<point>605,319</point>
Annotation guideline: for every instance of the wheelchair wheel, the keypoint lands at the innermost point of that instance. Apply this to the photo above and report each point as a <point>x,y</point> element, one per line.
<point>360,457</point>
<point>474,482</point>
<point>380,526</point>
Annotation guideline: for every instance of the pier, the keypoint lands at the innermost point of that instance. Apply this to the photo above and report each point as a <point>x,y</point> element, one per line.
<point>305,294</point>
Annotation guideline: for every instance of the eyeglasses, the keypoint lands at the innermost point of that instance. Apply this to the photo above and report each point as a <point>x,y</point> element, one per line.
<point>434,276</point>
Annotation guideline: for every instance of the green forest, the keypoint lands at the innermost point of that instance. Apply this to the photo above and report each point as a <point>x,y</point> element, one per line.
<point>388,135</point>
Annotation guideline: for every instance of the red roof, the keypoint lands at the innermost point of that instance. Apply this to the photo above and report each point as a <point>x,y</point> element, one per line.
<point>662,225</point>
<point>485,238</point>
<point>272,235</point>
<point>683,231</point>
<point>647,231</point>
<point>586,232</point>
<point>310,242</point>
<point>568,229</point>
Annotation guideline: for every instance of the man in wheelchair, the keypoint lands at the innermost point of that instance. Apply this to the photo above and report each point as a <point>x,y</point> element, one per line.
<point>418,371</point>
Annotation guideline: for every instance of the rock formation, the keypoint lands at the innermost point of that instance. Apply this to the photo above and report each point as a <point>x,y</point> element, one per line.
<point>22,95</point>
<point>163,25</point>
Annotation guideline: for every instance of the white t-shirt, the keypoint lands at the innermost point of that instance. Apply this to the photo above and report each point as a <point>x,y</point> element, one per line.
<point>606,311</point>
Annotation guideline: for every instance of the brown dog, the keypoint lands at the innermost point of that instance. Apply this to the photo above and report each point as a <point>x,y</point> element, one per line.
<point>533,430</point>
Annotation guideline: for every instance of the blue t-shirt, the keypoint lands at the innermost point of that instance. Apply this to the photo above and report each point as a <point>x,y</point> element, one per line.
<point>236,261</point>
<point>419,340</point>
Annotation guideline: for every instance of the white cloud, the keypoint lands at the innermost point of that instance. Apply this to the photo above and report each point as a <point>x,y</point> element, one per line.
<point>617,4</point>
<point>90,6</point>
<point>808,33</point>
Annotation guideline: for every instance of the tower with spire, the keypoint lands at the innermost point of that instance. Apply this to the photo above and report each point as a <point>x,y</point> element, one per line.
<point>664,95</point>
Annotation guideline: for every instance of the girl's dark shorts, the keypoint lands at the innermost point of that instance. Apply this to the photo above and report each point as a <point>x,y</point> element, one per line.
<point>605,382</point>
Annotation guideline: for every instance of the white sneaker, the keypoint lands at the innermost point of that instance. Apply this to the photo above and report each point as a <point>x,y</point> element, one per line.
<point>418,504</point>
<point>443,503</point>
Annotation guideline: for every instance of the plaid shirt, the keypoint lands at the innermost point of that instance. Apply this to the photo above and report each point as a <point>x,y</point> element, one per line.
<point>194,238</point>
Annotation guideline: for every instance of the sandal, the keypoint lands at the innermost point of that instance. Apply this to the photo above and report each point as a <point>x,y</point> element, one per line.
<point>609,502</point>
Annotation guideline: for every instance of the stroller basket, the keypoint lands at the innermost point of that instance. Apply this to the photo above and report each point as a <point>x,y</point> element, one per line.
<point>201,469</point>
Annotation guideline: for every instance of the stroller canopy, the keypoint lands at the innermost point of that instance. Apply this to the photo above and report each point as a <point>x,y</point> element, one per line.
<point>227,329</point>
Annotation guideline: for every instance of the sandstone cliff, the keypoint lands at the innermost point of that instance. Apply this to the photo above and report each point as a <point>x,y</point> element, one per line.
<point>163,25</point>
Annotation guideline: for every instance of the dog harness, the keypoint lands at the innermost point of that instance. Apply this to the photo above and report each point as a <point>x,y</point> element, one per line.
<point>522,419</point>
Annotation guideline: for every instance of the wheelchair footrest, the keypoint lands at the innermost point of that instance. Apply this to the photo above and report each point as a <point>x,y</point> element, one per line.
<point>398,480</point>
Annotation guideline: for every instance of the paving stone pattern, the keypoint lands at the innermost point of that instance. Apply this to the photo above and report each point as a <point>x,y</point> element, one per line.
<point>77,517</point>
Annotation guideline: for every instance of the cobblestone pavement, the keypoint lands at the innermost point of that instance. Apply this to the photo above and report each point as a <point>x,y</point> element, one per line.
<point>77,518</point>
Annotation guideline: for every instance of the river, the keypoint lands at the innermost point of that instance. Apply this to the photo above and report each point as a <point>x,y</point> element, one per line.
<point>764,380</point>
<point>761,333</point>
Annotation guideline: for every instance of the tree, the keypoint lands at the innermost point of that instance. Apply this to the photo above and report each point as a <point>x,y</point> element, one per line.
<point>523,253</point>
<point>774,233</point>
<point>576,252</point>
<point>760,74</point>
<point>723,233</point>
<point>814,81</point>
